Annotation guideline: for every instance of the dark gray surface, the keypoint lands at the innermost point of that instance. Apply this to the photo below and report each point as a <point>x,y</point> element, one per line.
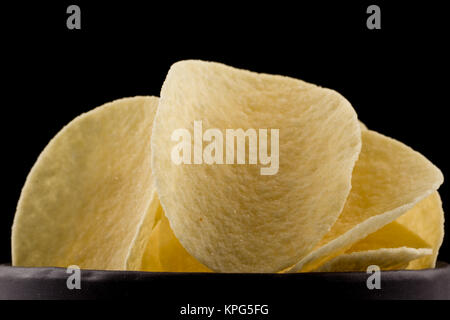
<point>177,288</point>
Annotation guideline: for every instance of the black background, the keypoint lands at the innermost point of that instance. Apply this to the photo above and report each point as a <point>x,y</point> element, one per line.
<point>396,77</point>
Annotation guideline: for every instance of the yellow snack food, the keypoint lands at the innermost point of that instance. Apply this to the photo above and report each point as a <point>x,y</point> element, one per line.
<point>89,190</point>
<point>230,217</point>
<point>426,220</point>
<point>388,180</point>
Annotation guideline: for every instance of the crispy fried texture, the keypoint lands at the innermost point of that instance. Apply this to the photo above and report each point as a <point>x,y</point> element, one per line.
<point>388,180</point>
<point>230,217</point>
<point>89,190</point>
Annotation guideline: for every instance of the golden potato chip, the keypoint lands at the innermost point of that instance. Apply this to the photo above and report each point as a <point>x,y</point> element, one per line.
<point>389,179</point>
<point>150,260</point>
<point>426,219</point>
<point>89,190</point>
<point>385,259</point>
<point>165,253</point>
<point>235,209</point>
<point>138,249</point>
<point>392,235</point>
<point>391,247</point>
<point>363,126</point>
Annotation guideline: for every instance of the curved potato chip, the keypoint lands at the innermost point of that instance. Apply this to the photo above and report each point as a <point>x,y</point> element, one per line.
<point>363,126</point>
<point>165,253</point>
<point>138,249</point>
<point>385,259</point>
<point>232,218</point>
<point>150,260</point>
<point>426,219</point>
<point>392,235</point>
<point>391,247</point>
<point>87,193</point>
<point>389,179</point>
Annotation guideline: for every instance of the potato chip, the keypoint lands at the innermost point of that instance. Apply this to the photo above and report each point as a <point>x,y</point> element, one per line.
<point>165,253</point>
<point>138,249</point>
<point>232,217</point>
<point>391,247</point>
<point>150,260</point>
<point>385,259</point>
<point>392,235</point>
<point>363,126</point>
<point>426,219</point>
<point>388,180</point>
<point>89,190</point>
